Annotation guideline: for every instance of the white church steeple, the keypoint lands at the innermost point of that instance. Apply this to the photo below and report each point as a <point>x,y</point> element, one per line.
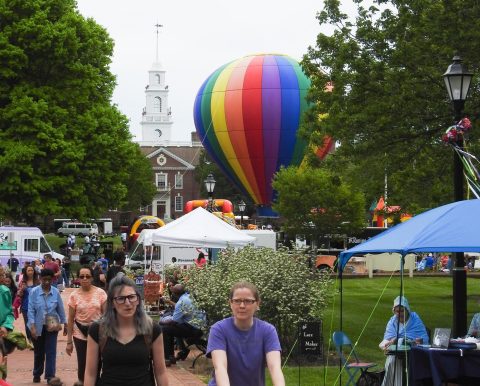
<point>157,114</point>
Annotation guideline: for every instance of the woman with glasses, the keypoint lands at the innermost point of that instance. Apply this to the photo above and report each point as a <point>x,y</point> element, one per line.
<point>242,345</point>
<point>85,305</point>
<point>126,340</point>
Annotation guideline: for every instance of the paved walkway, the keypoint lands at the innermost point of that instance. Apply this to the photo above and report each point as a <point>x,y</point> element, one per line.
<point>20,364</point>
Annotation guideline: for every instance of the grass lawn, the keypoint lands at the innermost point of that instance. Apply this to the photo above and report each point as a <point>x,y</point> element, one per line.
<point>430,297</point>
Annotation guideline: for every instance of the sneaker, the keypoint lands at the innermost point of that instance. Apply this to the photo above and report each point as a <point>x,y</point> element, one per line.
<point>36,379</point>
<point>182,355</point>
<point>170,361</point>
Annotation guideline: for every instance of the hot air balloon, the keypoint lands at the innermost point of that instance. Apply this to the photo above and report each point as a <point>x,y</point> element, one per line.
<point>247,114</point>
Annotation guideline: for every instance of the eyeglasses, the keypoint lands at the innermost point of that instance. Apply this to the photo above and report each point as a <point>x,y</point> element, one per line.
<point>85,276</point>
<point>248,302</point>
<point>121,299</point>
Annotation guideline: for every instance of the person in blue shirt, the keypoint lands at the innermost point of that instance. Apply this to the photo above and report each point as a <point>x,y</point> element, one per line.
<point>44,300</point>
<point>187,321</point>
<point>104,261</point>
<point>429,262</point>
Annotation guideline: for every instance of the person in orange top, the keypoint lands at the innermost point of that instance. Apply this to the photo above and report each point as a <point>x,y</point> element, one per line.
<point>85,305</point>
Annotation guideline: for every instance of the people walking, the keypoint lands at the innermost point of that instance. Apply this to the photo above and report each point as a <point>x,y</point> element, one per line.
<point>45,317</point>
<point>85,305</point>
<point>12,264</point>
<point>126,340</point>
<point>29,280</point>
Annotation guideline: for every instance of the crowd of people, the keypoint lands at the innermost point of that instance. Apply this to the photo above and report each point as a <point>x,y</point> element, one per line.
<point>117,343</point>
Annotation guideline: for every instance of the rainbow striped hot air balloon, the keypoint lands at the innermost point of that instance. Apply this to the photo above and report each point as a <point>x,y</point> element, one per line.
<point>247,114</point>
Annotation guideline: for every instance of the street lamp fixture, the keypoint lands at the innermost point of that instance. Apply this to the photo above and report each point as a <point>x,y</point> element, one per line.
<point>210,187</point>
<point>241,208</point>
<point>457,80</point>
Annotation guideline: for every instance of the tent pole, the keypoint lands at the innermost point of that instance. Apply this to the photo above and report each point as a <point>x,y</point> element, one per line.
<point>397,333</point>
<point>340,275</point>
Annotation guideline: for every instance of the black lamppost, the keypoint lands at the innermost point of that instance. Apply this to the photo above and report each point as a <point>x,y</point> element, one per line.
<point>210,186</point>
<point>457,80</point>
<point>241,208</point>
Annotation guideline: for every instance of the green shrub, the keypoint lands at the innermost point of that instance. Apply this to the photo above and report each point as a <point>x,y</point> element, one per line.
<point>289,291</point>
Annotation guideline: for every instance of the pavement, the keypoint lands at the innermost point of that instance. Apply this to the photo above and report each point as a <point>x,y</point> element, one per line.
<point>20,363</point>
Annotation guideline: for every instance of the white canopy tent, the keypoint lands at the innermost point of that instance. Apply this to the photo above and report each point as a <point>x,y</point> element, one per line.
<point>199,228</point>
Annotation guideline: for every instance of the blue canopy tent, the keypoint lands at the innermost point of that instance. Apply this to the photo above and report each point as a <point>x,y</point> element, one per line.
<point>453,227</point>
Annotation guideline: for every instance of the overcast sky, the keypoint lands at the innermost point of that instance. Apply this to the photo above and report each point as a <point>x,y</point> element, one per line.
<point>197,38</point>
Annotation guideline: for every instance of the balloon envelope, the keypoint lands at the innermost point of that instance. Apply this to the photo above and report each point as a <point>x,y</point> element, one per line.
<point>247,114</point>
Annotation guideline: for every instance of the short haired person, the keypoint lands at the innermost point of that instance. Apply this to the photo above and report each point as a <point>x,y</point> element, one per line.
<point>116,267</point>
<point>45,300</point>
<point>12,264</point>
<point>242,345</point>
<point>53,266</point>
<point>187,321</point>
<point>123,332</point>
<point>410,327</point>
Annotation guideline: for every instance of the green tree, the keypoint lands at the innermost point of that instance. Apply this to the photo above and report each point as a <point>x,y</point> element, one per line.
<point>389,106</point>
<point>64,148</point>
<point>140,186</point>
<point>289,291</point>
<point>313,201</point>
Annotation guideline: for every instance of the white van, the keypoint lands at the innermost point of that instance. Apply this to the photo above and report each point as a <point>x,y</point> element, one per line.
<point>26,244</point>
<point>77,229</point>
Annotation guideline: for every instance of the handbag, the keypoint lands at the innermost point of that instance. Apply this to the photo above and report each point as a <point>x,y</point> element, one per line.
<point>52,322</point>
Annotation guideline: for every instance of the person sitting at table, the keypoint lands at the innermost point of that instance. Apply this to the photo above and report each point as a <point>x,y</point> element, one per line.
<point>474,328</point>
<point>411,328</point>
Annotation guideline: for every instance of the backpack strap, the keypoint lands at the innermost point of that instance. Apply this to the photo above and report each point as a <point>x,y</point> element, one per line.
<point>148,341</point>
<point>102,337</point>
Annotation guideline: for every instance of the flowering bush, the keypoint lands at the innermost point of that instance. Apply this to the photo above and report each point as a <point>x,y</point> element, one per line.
<point>289,291</point>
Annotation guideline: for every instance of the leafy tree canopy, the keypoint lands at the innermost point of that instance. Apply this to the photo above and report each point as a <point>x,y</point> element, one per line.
<point>64,148</point>
<point>389,106</point>
<point>315,201</point>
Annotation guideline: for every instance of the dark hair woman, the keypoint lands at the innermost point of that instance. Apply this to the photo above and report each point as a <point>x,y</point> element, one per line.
<point>9,282</point>
<point>85,305</point>
<point>129,344</point>
<point>29,280</point>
